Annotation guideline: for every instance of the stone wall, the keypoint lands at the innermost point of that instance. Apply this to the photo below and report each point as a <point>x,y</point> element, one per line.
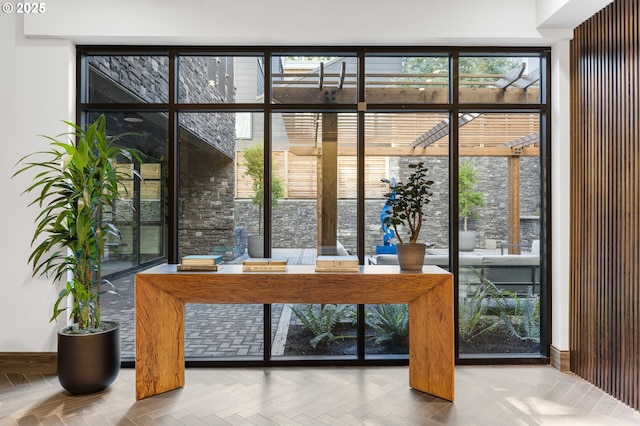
<point>295,225</point>
<point>143,77</point>
<point>492,222</point>
<point>294,222</point>
<point>209,213</point>
<point>216,129</point>
<point>206,201</point>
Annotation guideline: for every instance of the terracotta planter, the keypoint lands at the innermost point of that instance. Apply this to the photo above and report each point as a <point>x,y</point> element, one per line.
<point>88,363</point>
<point>411,256</point>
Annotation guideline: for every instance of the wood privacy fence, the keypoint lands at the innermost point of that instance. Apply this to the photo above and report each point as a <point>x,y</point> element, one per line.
<point>605,186</point>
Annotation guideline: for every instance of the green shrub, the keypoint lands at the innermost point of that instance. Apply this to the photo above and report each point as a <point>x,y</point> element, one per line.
<point>526,321</point>
<point>391,322</point>
<point>321,320</point>
<point>488,308</point>
<point>483,311</point>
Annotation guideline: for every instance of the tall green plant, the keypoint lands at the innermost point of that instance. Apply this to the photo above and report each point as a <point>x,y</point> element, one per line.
<point>254,163</point>
<point>77,180</point>
<point>407,201</point>
<point>468,199</point>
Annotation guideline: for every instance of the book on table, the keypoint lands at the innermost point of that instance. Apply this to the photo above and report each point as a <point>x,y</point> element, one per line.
<point>264,264</point>
<point>196,268</point>
<point>202,259</point>
<point>337,268</point>
<point>327,263</point>
<point>327,260</point>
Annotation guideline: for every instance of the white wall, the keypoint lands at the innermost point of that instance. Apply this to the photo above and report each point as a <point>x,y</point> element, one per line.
<point>566,13</point>
<point>37,90</point>
<point>290,22</point>
<point>560,194</point>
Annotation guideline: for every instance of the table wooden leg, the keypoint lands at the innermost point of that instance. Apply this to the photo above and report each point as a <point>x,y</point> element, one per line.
<point>159,340</point>
<point>431,342</point>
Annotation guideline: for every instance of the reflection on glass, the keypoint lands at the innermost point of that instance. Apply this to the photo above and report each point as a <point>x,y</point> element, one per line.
<point>499,79</point>
<point>499,208</point>
<point>407,79</point>
<point>142,228</point>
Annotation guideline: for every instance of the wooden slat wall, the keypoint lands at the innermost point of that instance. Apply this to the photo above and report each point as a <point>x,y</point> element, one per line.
<point>605,201</point>
<point>300,176</point>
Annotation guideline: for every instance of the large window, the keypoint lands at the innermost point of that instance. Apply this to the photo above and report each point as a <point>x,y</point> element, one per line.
<point>287,153</point>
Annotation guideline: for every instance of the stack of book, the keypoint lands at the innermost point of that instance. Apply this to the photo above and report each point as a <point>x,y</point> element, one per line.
<point>326,263</point>
<point>264,264</point>
<point>200,262</point>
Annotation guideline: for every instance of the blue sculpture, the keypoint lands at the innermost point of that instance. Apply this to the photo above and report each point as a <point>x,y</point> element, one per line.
<point>387,233</point>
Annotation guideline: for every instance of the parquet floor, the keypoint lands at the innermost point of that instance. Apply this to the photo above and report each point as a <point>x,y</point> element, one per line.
<point>485,395</point>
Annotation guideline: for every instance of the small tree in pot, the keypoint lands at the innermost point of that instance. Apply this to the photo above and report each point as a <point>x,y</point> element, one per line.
<point>407,202</point>
<point>77,181</point>
<point>468,200</point>
<point>254,163</point>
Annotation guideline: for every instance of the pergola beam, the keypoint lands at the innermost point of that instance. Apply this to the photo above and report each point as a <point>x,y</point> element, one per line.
<point>431,151</point>
<point>385,95</point>
<point>327,214</point>
<point>441,130</point>
<point>529,139</point>
<point>514,204</point>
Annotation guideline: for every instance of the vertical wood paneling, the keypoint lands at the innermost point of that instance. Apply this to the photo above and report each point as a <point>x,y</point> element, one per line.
<point>605,187</point>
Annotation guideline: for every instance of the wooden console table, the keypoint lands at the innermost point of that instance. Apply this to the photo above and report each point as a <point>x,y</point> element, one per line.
<point>161,294</point>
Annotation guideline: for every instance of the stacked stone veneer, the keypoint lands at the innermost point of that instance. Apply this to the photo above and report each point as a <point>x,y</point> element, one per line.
<point>141,78</point>
<point>145,79</point>
<point>206,201</point>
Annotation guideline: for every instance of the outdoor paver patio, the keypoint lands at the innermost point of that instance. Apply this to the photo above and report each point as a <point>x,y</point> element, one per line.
<point>211,331</point>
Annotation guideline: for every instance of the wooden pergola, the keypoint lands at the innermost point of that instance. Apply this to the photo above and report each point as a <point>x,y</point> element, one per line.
<point>328,135</point>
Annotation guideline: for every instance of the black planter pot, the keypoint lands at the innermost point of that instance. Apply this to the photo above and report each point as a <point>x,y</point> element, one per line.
<point>88,363</point>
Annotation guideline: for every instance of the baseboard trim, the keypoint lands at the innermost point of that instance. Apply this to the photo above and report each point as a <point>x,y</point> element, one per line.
<point>28,362</point>
<point>560,359</point>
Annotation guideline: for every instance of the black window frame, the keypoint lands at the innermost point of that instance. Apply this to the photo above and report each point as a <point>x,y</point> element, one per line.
<point>172,108</point>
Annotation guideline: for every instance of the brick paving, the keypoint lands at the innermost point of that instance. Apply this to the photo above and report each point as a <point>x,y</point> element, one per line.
<point>211,331</point>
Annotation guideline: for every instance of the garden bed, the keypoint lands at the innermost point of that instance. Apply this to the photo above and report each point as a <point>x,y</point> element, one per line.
<point>298,337</point>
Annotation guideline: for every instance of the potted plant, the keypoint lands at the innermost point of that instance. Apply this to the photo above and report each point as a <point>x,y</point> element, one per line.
<point>468,200</point>
<point>407,201</point>
<point>77,181</point>
<point>254,162</point>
